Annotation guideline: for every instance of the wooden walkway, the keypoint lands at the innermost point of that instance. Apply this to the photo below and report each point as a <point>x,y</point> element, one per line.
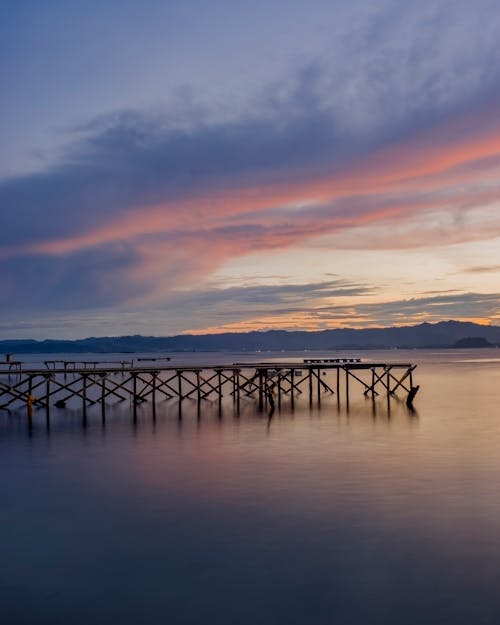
<point>269,383</point>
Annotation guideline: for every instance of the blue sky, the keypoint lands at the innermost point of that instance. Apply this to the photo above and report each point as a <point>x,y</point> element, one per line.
<point>203,166</point>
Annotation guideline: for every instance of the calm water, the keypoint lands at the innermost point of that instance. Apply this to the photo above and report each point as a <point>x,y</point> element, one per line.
<point>310,517</point>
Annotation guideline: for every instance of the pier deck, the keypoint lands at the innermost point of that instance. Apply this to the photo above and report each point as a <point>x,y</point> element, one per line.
<point>267,382</point>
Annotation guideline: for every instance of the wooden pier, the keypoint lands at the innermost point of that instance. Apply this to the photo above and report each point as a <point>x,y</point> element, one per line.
<point>82,385</point>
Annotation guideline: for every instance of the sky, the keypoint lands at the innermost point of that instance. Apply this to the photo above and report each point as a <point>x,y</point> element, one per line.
<point>193,166</point>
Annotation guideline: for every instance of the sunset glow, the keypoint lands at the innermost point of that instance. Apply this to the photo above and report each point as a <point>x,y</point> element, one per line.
<point>151,208</point>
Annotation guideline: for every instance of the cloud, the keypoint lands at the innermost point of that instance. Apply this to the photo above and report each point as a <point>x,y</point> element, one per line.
<point>394,129</point>
<point>350,120</point>
<point>83,280</point>
<point>483,269</point>
<point>143,232</point>
<point>474,307</point>
<point>464,306</point>
<point>239,300</point>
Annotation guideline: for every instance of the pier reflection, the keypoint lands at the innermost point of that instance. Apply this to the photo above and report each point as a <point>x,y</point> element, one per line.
<point>203,413</point>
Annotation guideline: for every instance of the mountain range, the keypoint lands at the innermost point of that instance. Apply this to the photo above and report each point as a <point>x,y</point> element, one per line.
<point>425,335</point>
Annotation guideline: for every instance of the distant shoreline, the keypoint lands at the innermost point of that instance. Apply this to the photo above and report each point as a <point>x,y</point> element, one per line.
<point>442,335</point>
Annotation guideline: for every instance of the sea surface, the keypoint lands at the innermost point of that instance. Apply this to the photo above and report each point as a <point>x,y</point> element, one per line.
<point>308,517</point>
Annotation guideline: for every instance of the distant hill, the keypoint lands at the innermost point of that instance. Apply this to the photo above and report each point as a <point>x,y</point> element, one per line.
<point>425,335</point>
<point>472,341</point>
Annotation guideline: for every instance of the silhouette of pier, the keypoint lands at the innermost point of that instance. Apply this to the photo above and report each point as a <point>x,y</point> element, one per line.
<point>268,383</point>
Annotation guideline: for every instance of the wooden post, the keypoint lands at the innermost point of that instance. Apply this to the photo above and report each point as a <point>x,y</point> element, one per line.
<point>84,396</point>
<point>198,389</point>
<point>261,390</point>
<point>388,381</point>
<point>134,397</point>
<point>238,392</point>
<point>134,388</point>
<point>319,386</point>
<point>103,398</point>
<point>310,387</point>
<point>219,391</point>
<point>219,384</point>
<point>153,384</point>
<point>179,384</point>
<point>153,394</point>
<point>47,395</point>
<point>29,403</point>
<point>279,390</point>
<point>346,386</point>
<point>292,388</point>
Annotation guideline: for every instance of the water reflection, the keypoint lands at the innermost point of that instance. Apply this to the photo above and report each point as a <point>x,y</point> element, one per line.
<point>102,416</point>
<point>310,515</point>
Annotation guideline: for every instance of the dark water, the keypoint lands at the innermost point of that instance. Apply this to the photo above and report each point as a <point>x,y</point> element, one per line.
<point>316,516</point>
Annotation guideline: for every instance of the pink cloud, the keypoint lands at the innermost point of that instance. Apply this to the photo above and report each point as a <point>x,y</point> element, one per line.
<point>432,163</point>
